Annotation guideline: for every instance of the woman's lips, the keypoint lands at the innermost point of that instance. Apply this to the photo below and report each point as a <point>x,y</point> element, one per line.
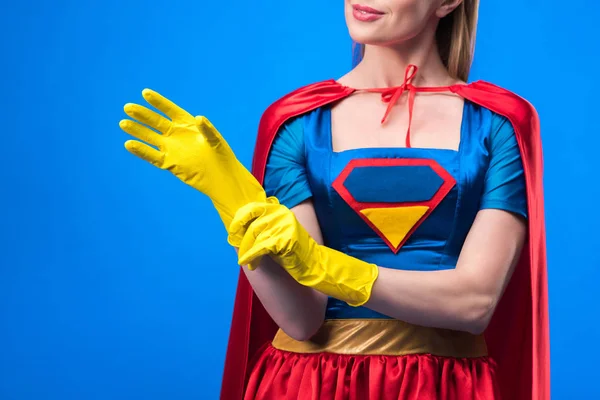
<point>366,14</point>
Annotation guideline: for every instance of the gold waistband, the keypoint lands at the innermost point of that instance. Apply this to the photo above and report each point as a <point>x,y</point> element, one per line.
<point>384,337</point>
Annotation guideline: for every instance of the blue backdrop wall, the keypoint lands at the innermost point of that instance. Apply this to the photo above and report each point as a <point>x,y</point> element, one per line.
<point>115,278</point>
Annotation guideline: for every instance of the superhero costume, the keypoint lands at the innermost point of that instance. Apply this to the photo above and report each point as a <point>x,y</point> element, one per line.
<point>521,352</point>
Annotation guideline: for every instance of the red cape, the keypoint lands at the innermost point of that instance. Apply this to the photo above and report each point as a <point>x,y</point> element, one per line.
<point>517,336</point>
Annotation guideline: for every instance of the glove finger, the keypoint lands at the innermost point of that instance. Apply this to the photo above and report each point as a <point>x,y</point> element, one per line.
<point>245,242</point>
<point>165,105</point>
<point>141,132</point>
<point>145,152</point>
<point>244,216</point>
<point>254,247</point>
<point>148,117</point>
<point>212,135</point>
<point>252,262</point>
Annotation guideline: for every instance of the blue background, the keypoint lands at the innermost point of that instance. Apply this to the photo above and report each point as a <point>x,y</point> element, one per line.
<point>115,278</point>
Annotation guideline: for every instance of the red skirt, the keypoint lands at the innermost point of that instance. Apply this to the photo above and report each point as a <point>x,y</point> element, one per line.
<point>282,375</point>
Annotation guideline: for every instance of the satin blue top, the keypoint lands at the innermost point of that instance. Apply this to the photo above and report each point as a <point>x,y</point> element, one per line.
<point>487,171</point>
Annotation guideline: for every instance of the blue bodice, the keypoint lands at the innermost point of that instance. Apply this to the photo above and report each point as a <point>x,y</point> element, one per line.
<point>403,208</point>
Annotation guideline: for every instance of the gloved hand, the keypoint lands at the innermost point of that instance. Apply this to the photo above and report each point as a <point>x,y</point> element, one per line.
<point>269,228</point>
<point>194,151</point>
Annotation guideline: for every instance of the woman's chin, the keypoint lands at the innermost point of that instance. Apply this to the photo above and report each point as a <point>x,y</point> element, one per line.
<point>364,37</point>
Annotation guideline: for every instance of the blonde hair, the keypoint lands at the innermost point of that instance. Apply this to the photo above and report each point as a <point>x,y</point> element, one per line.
<point>456,38</point>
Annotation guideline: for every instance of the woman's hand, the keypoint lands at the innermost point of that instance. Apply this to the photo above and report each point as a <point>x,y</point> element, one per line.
<point>193,150</point>
<point>269,228</point>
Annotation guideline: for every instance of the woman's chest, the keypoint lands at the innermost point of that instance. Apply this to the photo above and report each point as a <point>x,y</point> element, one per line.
<point>432,122</point>
<point>394,200</point>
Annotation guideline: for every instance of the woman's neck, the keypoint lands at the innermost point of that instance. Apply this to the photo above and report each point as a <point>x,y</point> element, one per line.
<point>385,66</point>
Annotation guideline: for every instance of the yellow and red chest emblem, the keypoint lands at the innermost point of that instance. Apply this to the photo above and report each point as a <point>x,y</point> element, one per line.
<point>393,196</point>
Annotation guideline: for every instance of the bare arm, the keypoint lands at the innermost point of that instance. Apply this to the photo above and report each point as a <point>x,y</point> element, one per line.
<point>298,310</point>
<point>463,298</point>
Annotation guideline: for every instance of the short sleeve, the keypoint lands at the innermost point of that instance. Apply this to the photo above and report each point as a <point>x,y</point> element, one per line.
<point>285,174</point>
<point>504,186</point>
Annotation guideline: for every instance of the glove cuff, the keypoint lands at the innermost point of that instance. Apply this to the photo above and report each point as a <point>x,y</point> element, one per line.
<point>342,276</point>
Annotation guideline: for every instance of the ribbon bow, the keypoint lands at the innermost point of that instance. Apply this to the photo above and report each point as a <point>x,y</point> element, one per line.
<point>393,94</point>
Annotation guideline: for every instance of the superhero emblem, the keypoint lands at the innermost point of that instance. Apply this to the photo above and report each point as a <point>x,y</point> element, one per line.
<point>393,196</point>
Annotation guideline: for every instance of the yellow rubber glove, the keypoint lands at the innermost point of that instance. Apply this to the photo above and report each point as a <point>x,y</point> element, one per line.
<point>269,228</point>
<point>194,151</point>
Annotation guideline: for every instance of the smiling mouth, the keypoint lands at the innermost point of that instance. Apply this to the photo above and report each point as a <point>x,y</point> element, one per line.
<point>366,14</point>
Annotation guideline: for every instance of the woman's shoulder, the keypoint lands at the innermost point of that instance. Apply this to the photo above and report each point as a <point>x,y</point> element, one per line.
<point>308,97</point>
<point>299,102</point>
<point>500,100</point>
<point>512,114</point>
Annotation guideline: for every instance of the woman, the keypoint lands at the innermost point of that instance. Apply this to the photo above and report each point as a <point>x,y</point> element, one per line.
<point>392,229</point>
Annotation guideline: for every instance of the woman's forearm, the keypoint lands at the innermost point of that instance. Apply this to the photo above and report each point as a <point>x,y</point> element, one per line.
<point>441,299</point>
<point>298,310</point>
<point>463,298</point>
